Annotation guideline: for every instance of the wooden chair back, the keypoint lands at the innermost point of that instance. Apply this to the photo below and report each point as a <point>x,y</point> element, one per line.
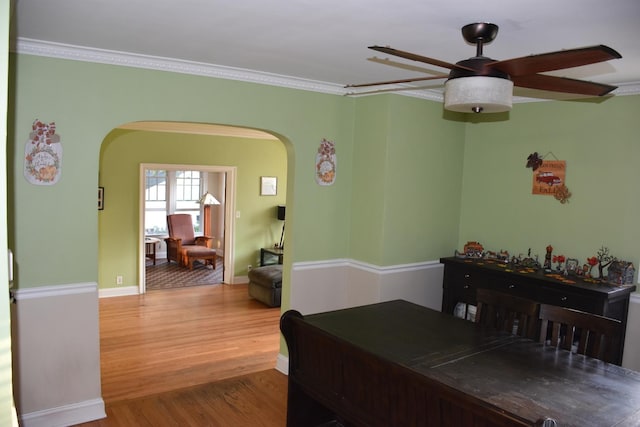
<point>585,333</point>
<point>509,313</point>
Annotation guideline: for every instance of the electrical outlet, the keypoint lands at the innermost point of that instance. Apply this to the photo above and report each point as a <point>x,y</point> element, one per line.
<point>118,280</point>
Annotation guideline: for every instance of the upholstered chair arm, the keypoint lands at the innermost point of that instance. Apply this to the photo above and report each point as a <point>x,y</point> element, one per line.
<point>204,241</point>
<point>173,241</point>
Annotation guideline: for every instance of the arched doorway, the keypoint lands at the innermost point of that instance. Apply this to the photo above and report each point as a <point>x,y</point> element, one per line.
<point>189,145</point>
<point>128,147</point>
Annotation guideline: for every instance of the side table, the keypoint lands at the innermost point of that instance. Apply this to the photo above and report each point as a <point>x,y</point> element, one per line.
<point>267,255</point>
<point>150,248</point>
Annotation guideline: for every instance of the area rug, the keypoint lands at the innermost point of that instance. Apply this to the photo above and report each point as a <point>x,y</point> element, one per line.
<point>165,275</point>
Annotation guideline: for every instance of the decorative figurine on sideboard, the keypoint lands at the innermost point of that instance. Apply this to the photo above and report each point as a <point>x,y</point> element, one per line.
<point>503,256</point>
<point>547,259</point>
<point>604,259</point>
<point>560,259</point>
<point>593,261</point>
<point>471,250</point>
<point>530,262</point>
<point>620,273</point>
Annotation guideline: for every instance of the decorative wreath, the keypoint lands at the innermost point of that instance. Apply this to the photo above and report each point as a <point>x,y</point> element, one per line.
<point>326,170</point>
<point>46,173</point>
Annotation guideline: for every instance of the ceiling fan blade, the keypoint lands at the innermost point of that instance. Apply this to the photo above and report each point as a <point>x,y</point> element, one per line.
<point>390,82</point>
<point>562,84</point>
<point>391,89</point>
<point>419,58</point>
<point>555,60</point>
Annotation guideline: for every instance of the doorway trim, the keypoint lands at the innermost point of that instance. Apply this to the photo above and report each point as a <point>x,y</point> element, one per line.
<point>229,217</point>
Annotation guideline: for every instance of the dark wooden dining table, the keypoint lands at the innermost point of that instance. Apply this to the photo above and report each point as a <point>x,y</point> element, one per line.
<point>401,364</point>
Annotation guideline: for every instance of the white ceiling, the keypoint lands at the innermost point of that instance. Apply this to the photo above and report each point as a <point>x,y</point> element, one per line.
<point>326,41</point>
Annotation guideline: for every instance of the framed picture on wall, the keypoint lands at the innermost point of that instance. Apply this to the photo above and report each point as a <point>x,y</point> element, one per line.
<point>268,185</point>
<point>100,198</point>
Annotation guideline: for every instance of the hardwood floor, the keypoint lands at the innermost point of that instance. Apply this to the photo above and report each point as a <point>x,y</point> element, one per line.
<point>201,356</point>
<point>253,400</point>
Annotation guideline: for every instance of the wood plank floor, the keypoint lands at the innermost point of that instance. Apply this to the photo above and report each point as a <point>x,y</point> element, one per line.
<point>201,356</point>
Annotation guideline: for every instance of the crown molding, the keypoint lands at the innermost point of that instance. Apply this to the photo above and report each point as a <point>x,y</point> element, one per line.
<point>80,53</point>
<point>630,88</point>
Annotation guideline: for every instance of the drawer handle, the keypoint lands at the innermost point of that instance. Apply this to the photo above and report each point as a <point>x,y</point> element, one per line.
<point>466,287</point>
<point>466,276</point>
<point>563,299</point>
<point>511,286</point>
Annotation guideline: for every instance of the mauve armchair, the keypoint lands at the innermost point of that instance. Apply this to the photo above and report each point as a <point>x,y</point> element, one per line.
<point>183,246</point>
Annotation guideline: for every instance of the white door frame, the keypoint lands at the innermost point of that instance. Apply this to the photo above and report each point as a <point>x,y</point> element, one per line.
<point>229,217</point>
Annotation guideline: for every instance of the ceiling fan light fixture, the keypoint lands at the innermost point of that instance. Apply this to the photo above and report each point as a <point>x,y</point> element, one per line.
<point>478,94</point>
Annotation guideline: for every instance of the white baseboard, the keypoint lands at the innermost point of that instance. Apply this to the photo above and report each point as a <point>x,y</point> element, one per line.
<point>118,292</point>
<point>67,415</point>
<point>282,364</point>
<point>240,279</point>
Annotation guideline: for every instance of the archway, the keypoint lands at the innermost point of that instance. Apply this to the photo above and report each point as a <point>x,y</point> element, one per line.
<point>188,145</point>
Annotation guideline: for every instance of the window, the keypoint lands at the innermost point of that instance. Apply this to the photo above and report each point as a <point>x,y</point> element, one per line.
<point>168,192</point>
<point>188,190</point>
<point>155,206</point>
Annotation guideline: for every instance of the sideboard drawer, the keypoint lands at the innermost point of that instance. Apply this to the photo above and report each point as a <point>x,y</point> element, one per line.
<point>460,285</point>
<point>562,298</point>
<point>465,278</point>
<point>513,286</point>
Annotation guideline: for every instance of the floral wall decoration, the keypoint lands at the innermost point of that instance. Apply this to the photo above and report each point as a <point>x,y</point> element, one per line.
<point>43,154</point>
<point>549,177</point>
<point>326,163</point>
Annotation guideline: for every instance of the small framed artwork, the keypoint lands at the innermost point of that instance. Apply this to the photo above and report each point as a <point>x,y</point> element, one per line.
<point>571,265</point>
<point>100,198</point>
<point>268,185</point>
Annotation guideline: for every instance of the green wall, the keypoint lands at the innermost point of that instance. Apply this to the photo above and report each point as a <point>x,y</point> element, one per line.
<point>407,177</point>
<point>599,142</point>
<point>413,184</point>
<point>124,150</point>
<point>54,229</point>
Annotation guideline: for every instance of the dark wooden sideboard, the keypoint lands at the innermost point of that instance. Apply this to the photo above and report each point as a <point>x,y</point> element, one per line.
<point>463,276</point>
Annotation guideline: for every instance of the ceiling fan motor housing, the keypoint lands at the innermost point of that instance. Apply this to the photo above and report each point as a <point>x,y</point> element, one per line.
<point>479,66</point>
<point>483,90</point>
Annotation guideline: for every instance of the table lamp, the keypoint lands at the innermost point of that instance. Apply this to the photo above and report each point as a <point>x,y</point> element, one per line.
<point>207,200</point>
<point>281,214</point>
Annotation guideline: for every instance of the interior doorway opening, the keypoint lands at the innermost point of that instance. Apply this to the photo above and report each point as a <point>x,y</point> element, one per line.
<point>217,180</point>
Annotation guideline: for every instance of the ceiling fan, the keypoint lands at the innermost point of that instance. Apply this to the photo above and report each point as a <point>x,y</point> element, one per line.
<point>481,84</point>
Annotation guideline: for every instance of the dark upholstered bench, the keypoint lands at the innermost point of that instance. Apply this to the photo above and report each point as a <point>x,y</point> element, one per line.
<point>265,284</point>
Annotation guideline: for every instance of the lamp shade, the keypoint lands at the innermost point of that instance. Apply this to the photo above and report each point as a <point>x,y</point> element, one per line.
<point>281,212</point>
<point>478,94</point>
<point>208,199</point>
